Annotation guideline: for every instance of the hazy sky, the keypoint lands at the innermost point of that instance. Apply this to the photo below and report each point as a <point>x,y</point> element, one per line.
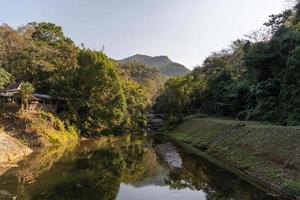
<point>185,30</point>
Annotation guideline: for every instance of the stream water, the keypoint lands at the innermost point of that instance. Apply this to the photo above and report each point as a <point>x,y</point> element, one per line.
<point>126,168</point>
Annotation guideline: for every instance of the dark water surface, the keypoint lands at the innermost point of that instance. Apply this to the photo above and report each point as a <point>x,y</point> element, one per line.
<point>126,168</point>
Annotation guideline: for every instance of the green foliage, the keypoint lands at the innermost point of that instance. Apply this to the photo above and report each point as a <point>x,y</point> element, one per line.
<point>37,52</point>
<point>57,124</point>
<point>178,95</point>
<point>277,21</point>
<point>48,127</point>
<point>11,42</point>
<point>258,58</point>
<point>136,103</point>
<point>96,93</point>
<point>25,92</point>
<point>149,79</point>
<point>5,77</point>
<point>250,80</point>
<point>209,89</point>
<point>96,98</point>
<point>293,186</point>
<point>48,32</point>
<point>26,89</point>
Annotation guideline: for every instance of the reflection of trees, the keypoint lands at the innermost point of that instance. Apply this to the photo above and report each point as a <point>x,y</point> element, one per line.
<point>96,170</point>
<point>199,174</point>
<point>31,168</point>
<point>41,162</point>
<point>94,174</point>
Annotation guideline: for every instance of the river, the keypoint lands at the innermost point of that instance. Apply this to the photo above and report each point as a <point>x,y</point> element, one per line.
<point>124,168</point>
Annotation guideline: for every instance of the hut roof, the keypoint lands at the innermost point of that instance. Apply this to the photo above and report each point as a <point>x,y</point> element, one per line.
<point>12,87</point>
<point>33,98</point>
<point>43,96</point>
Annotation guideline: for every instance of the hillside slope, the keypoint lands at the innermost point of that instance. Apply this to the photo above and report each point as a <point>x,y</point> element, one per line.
<point>162,63</point>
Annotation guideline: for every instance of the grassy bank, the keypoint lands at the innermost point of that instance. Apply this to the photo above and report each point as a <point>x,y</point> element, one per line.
<point>38,128</point>
<point>270,153</point>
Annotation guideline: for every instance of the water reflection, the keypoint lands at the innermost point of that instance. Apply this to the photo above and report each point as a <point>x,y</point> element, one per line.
<point>201,175</point>
<point>124,168</point>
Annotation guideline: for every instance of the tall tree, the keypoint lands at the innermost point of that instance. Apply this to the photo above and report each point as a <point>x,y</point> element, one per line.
<point>37,52</point>
<point>25,92</point>
<point>96,96</point>
<point>136,104</point>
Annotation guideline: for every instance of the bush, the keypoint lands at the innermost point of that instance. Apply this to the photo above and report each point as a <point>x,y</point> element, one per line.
<point>49,127</point>
<point>293,119</point>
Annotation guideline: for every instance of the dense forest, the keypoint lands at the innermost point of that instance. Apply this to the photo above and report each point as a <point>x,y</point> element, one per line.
<point>256,78</point>
<point>96,93</point>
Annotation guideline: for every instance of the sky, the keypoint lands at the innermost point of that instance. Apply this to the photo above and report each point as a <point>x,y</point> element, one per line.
<point>185,30</point>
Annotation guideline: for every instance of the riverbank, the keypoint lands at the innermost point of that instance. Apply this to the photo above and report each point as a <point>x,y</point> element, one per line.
<point>21,132</point>
<point>269,153</point>
<point>37,128</point>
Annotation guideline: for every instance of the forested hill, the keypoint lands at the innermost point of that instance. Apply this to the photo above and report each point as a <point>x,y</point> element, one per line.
<point>162,63</point>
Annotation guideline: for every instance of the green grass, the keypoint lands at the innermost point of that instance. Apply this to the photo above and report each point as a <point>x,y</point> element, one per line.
<point>291,185</point>
<point>49,127</point>
<point>263,150</point>
<point>62,136</point>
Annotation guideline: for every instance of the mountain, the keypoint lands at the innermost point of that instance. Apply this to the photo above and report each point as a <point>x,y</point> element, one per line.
<point>162,63</point>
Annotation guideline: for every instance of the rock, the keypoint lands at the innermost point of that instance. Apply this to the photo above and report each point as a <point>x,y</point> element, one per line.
<point>6,195</point>
<point>11,152</point>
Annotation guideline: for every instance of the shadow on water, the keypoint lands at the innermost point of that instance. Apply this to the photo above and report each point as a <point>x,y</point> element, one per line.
<point>124,168</point>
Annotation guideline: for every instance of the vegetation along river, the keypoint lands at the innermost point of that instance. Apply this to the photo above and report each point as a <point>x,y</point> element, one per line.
<point>126,168</point>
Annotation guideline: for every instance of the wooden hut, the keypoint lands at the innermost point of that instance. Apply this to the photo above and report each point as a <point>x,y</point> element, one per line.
<point>10,90</point>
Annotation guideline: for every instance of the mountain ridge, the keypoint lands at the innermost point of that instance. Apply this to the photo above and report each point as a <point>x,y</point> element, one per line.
<point>162,63</point>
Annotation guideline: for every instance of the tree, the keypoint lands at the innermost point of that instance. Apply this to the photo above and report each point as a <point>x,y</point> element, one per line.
<point>277,21</point>
<point>95,97</point>
<point>5,77</point>
<point>177,95</point>
<point>12,42</point>
<point>261,35</point>
<point>26,91</point>
<point>150,80</point>
<point>48,32</point>
<point>37,52</point>
<point>136,104</point>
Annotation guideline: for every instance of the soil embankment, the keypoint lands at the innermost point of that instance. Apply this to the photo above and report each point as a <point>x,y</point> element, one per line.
<point>267,152</point>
